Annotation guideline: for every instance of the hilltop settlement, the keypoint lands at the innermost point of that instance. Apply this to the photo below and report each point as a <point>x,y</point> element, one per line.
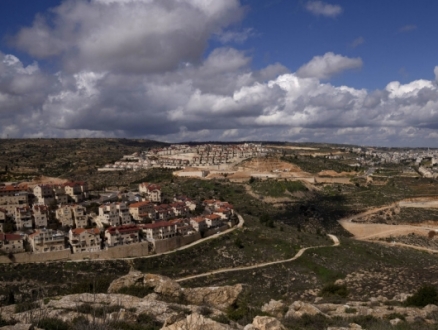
<point>56,217</point>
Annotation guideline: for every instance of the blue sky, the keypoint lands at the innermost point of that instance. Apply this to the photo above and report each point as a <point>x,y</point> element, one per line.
<point>330,71</point>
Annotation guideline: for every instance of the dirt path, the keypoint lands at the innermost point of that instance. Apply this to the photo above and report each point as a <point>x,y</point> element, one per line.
<point>229,270</point>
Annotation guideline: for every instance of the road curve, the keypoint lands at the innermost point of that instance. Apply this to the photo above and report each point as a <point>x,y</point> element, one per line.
<point>229,270</point>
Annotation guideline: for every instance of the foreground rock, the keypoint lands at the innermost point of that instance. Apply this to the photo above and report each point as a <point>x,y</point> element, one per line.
<point>160,284</point>
<point>217,297</point>
<point>274,308</point>
<point>265,323</point>
<point>197,322</point>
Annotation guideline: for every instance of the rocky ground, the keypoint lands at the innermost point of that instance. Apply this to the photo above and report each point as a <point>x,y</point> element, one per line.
<point>148,301</point>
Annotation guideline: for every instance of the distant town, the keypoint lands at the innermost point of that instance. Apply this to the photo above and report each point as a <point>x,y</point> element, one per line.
<point>26,213</point>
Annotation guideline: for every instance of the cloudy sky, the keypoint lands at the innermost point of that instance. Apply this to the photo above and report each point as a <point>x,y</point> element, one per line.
<point>362,72</point>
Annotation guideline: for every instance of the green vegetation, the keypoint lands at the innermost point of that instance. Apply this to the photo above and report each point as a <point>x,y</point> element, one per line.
<point>274,188</point>
<point>425,295</point>
<point>317,164</point>
<point>334,290</point>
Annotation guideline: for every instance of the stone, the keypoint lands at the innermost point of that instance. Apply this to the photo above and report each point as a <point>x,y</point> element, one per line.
<point>267,323</point>
<point>19,326</point>
<point>274,308</point>
<point>196,321</point>
<point>395,321</point>
<point>160,284</point>
<point>299,308</point>
<point>217,297</point>
<point>133,278</point>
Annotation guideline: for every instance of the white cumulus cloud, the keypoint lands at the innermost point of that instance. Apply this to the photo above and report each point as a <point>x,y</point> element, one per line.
<point>328,65</point>
<point>320,8</point>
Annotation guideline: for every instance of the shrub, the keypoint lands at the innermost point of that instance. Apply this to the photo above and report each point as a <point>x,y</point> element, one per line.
<point>350,310</point>
<point>425,295</point>
<point>25,306</point>
<point>52,324</point>
<point>334,290</point>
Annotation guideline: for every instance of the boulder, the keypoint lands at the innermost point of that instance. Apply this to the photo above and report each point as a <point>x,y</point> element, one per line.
<point>395,321</point>
<point>267,323</point>
<point>132,279</point>
<point>163,285</point>
<point>299,308</point>
<point>217,297</point>
<point>160,284</point>
<point>274,308</point>
<point>196,321</point>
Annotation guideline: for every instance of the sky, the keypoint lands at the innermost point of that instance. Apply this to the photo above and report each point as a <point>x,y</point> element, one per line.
<point>340,71</point>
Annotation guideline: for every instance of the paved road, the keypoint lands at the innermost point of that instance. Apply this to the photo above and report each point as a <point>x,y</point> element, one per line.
<point>229,270</point>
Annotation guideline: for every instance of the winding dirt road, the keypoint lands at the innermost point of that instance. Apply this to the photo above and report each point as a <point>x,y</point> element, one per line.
<point>229,270</point>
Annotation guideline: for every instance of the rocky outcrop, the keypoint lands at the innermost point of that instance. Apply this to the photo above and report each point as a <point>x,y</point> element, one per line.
<point>351,326</point>
<point>266,323</point>
<point>160,284</point>
<point>196,321</point>
<point>216,297</point>
<point>299,308</point>
<point>275,308</point>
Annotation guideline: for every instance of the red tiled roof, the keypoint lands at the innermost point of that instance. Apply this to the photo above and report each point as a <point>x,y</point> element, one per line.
<point>139,204</point>
<point>158,225</point>
<point>10,237</point>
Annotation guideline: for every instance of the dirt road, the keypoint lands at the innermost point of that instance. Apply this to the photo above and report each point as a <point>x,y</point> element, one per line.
<point>229,270</point>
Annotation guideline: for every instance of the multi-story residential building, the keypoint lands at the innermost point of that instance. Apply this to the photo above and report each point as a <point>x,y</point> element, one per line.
<point>151,191</point>
<point>84,240</point>
<point>23,217</point>
<point>44,194</point>
<point>80,216</point>
<point>187,201</point>
<point>213,221</point>
<point>183,227</point>
<point>12,201</point>
<point>108,214</point>
<point>64,215</point>
<point>40,216</point>
<point>12,190</point>
<point>199,224</point>
<point>162,212</point>
<point>124,215</point>
<point>140,211</point>
<point>122,235</point>
<point>159,230</point>
<point>77,191</point>
<point>47,240</point>
<point>11,243</point>
<point>179,209</point>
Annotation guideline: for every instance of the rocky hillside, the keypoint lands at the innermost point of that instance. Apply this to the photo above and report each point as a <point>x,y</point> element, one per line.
<point>146,301</point>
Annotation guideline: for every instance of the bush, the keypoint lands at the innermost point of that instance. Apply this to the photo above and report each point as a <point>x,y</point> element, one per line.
<point>25,306</point>
<point>52,324</point>
<point>426,295</point>
<point>334,290</point>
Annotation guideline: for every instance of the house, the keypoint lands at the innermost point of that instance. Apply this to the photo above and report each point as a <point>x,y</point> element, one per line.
<point>213,221</point>
<point>11,243</point>
<point>47,240</point>
<point>159,230</point>
<point>199,224</point>
<point>12,190</point>
<point>223,212</point>
<point>151,191</point>
<point>140,211</point>
<point>163,212</point>
<point>179,209</point>
<point>40,216</point>
<point>109,214</point>
<point>44,194</point>
<point>11,201</point>
<point>76,191</point>
<point>124,215</point>
<point>23,217</point>
<point>84,240</point>
<point>64,215</point>
<point>80,216</point>
<point>187,201</point>
<point>122,235</point>
<point>183,227</point>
